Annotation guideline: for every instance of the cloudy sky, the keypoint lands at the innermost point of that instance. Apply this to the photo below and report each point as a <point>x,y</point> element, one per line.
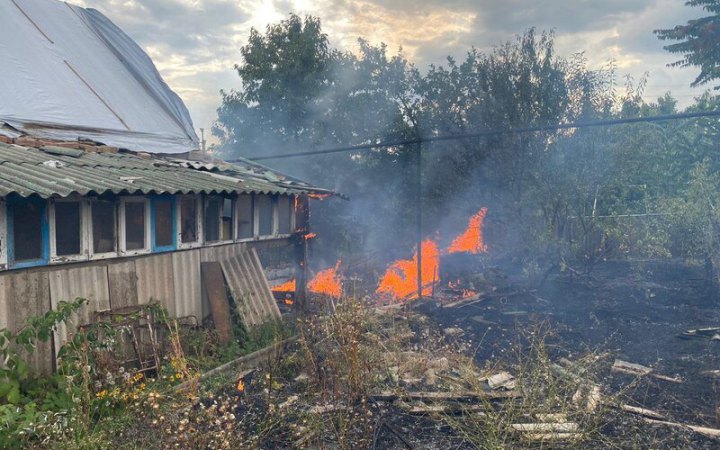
<point>195,43</point>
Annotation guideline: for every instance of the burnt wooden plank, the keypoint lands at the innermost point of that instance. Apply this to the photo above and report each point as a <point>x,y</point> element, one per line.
<point>122,284</point>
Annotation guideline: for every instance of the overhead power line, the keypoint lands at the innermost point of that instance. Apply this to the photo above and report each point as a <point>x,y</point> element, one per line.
<point>489,133</point>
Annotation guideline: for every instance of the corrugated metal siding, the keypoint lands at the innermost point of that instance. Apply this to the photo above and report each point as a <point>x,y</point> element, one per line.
<point>172,278</point>
<point>220,252</point>
<point>187,284</point>
<point>155,281</point>
<point>90,282</point>
<point>27,294</point>
<point>250,288</point>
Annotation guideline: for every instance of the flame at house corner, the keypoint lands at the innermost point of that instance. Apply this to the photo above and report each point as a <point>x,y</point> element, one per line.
<point>400,279</point>
<point>327,282</point>
<point>471,240</point>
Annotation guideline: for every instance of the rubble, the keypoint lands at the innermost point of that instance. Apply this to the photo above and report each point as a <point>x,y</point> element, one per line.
<point>640,370</point>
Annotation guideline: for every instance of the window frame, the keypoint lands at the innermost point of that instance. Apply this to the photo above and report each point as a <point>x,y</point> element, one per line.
<point>233,231</point>
<point>233,219</point>
<point>91,227</point>
<point>85,230</point>
<point>236,212</point>
<point>173,222</point>
<point>274,220</point>
<point>291,215</point>
<point>3,235</point>
<point>122,232</point>
<point>199,221</point>
<point>44,234</point>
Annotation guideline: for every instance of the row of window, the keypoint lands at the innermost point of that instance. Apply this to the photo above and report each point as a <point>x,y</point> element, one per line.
<point>40,231</point>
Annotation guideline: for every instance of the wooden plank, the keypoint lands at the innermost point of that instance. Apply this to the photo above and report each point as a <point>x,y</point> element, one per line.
<point>122,284</point>
<point>436,396</point>
<point>213,283</point>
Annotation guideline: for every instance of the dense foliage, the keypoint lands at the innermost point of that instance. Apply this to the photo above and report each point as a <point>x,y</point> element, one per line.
<point>699,42</point>
<point>554,197</point>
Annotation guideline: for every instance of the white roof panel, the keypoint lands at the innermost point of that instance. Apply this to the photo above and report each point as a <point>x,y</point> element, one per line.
<point>68,72</point>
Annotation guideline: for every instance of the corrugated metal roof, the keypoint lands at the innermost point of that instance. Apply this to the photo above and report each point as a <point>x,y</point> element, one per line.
<point>53,172</point>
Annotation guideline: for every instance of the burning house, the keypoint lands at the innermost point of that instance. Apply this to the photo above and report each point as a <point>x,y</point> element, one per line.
<point>104,193</point>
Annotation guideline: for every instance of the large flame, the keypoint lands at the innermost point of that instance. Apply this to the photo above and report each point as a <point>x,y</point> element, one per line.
<point>471,241</point>
<point>400,279</point>
<point>327,282</point>
<point>288,286</point>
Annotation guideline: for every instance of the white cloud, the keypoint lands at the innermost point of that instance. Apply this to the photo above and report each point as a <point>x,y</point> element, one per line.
<point>195,43</point>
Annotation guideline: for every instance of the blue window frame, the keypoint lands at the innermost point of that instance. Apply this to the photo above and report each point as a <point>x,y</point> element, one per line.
<point>28,232</point>
<point>163,224</point>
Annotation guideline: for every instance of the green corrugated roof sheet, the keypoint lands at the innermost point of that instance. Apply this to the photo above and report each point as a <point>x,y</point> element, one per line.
<point>53,172</point>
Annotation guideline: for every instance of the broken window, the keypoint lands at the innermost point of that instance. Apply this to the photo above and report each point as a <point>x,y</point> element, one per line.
<point>245,217</point>
<point>27,230</point>
<point>188,219</point>
<point>212,219</point>
<point>68,228</point>
<point>103,226</point>
<point>265,215</point>
<point>163,222</point>
<point>134,225</point>
<point>285,211</point>
<point>226,217</point>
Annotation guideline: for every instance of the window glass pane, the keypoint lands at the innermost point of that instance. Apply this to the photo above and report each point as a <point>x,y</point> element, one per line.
<point>284,212</point>
<point>67,228</point>
<point>265,214</point>
<point>227,220</point>
<point>245,216</point>
<point>103,224</point>
<point>134,225</point>
<point>212,218</point>
<point>27,231</point>
<point>164,223</point>
<point>188,219</point>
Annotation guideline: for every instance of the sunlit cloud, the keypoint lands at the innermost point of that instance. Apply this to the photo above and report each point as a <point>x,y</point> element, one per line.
<point>195,43</point>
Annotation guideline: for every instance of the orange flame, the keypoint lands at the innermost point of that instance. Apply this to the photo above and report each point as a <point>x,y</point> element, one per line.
<point>327,282</point>
<point>400,279</point>
<point>288,286</point>
<point>241,385</point>
<point>471,241</point>
<point>310,236</point>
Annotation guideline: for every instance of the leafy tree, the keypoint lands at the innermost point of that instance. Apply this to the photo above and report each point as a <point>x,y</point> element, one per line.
<point>699,42</point>
<point>284,77</point>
